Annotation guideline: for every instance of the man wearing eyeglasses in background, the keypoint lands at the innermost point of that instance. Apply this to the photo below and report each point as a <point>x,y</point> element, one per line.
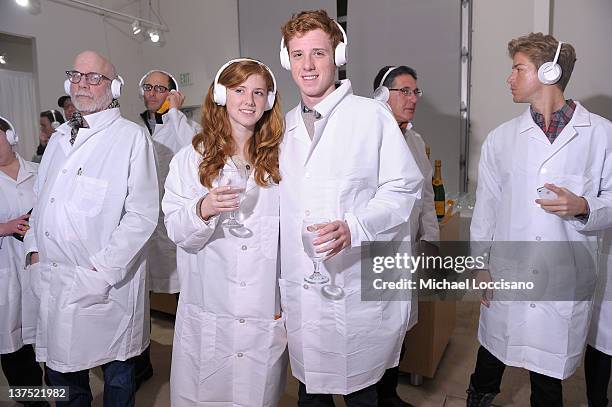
<point>170,130</point>
<point>397,86</point>
<point>96,207</point>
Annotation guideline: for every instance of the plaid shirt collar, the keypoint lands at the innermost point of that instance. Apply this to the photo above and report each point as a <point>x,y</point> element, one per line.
<point>558,120</point>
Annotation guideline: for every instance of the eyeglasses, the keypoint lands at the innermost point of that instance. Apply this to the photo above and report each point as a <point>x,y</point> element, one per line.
<point>409,92</point>
<point>147,87</point>
<point>92,78</point>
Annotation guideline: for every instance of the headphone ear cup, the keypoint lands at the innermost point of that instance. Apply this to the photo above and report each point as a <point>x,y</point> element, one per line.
<point>55,125</point>
<point>549,73</point>
<point>219,94</point>
<point>340,54</point>
<point>67,87</point>
<point>116,85</point>
<point>270,102</point>
<point>382,94</point>
<point>284,58</point>
<point>11,137</point>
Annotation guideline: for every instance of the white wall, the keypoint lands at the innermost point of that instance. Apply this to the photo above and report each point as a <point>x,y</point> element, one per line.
<point>203,34</point>
<point>424,35</point>
<point>585,24</point>
<point>494,23</point>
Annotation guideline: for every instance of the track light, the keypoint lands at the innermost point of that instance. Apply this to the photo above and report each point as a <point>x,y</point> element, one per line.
<point>22,3</point>
<point>154,35</point>
<point>3,59</point>
<point>136,27</point>
<point>33,6</point>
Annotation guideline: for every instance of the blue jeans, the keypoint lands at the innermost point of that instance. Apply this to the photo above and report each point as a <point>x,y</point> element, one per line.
<point>119,385</point>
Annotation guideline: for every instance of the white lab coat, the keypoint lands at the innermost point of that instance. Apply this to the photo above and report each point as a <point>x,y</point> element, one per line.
<point>423,218</point>
<point>168,138</point>
<point>17,310</point>
<point>600,331</point>
<point>97,205</point>
<point>228,347</point>
<point>357,168</point>
<point>547,337</point>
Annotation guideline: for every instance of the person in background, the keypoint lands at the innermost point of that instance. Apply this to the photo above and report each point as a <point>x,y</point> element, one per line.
<point>229,339</point>
<point>50,120</point>
<point>17,307</point>
<point>170,131</point>
<point>397,86</point>
<point>65,103</point>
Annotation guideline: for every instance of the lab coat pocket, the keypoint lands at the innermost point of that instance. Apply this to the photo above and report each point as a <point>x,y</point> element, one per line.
<point>268,236</point>
<point>89,291</point>
<point>549,319</point>
<point>88,195</point>
<point>35,280</point>
<point>10,290</point>
<point>208,338</point>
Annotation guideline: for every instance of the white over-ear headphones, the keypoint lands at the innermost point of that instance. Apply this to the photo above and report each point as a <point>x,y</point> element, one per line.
<point>11,134</point>
<point>382,92</point>
<point>550,72</point>
<point>340,56</point>
<point>220,91</point>
<point>55,123</point>
<point>116,86</point>
<point>141,82</point>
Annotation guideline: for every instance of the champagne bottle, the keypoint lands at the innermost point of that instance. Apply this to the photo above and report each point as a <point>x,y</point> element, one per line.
<point>438,187</point>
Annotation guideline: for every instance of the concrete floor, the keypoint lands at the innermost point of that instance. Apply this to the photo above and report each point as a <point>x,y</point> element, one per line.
<point>447,389</point>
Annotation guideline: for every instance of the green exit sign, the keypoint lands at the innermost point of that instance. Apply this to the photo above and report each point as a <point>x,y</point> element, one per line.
<point>185,79</point>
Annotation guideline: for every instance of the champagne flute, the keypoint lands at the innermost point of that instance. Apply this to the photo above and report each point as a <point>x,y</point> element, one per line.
<point>310,228</point>
<point>237,179</point>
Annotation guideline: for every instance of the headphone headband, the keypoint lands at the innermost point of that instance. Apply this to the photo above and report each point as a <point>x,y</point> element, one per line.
<point>232,61</point>
<point>386,74</point>
<point>558,52</point>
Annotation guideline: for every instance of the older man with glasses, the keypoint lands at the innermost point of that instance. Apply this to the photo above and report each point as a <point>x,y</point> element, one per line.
<point>96,207</point>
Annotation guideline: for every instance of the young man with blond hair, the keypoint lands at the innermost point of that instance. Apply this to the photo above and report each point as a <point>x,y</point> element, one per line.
<point>558,145</point>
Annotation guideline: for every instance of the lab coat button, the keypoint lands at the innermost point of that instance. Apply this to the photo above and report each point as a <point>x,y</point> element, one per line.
<point>241,320</point>
<point>538,238</point>
<point>54,264</point>
<point>52,200</point>
<point>47,234</point>
<point>306,286</point>
<point>243,247</point>
<point>535,271</point>
<point>532,305</point>
<point>240,354</point>
<point>242,284</point>
<point>20,193</point>
<point>307,212</point>
<point>64,171</point>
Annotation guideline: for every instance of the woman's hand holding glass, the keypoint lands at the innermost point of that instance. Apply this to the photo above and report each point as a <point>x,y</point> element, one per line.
<point>220,199</point>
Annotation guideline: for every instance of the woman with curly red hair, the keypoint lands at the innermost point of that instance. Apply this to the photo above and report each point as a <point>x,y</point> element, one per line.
<point>230,339</point>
